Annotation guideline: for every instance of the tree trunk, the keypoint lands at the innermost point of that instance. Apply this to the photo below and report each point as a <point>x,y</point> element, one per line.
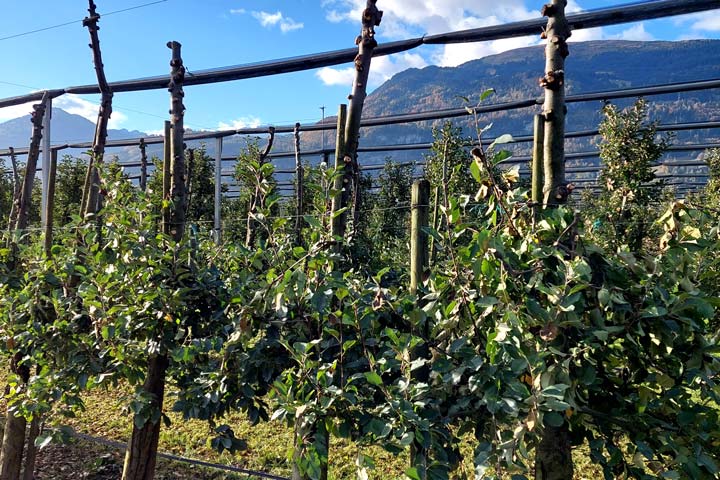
<point>557,32</point>
<point>13,443</point>
<point>141,453</point>
<point>30,457</point>
<point>12,447</point>
<point>14,435</point>
<point>553,459</point>
<point>310,435</point>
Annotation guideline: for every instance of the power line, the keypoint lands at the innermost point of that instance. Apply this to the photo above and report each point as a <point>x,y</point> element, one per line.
<point>65,24</point>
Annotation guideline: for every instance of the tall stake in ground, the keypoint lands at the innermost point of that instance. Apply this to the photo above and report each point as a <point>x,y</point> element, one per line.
<point>366,42</point>
<point>341,185</point>
<point>420,200</point>
<point>299,186</point>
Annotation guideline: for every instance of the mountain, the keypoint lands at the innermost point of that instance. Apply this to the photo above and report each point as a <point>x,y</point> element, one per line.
<point>591,67</point>
<point>65,128</point>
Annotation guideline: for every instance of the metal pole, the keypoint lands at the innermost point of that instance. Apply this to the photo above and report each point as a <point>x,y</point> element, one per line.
<point>46,160</point>
<point>218,188</point>
<point>323,131</point>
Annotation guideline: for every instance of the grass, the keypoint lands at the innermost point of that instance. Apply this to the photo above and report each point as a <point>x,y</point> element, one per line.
<point>268,447</point>
<point>269,444</point>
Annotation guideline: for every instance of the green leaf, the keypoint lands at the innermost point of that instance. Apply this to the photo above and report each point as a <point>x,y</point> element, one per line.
<point>502,139</point>
<point>313,221</point>
<point>413,473</point>
<point>373,378</point>
<point>553,419</point>
<point>484,95</point>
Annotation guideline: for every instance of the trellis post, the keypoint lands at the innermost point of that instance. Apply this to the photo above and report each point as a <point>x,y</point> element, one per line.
<point>420,209</point>
<point>341,184</point>
<point>218,189</point>
<point>299,187</point>
<point>46,160</point>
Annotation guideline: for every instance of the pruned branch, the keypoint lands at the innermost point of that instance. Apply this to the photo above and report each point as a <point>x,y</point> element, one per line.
<point>258,198</point>
<point>91,194</point>
<point>22,209</point>
<point>557,32</point>
<point>178,192</point>
<point>366,43</point>
<point>268,147</point>
<point>143,165</point>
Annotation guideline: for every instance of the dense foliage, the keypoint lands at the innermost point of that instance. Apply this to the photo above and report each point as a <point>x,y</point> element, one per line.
<point>625,209</point>
<point>522,323</point>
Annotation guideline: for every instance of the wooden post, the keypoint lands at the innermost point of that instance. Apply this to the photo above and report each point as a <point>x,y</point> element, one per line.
<point>218,189</point>
<point>341,185</point>
<point>143,165</point>
<point>92,204</point>
<point>420,200</point>
<point>17,187</point>
<point>299,187</point>
<point>537,161</point>
<point>167,164</point>
<point>420,208</point>
<point>366,42</point>
<point>46,159</point>
<point>557,32</point>
<point>188,178</point>
<point>50,204</point>
<point>435,225</point>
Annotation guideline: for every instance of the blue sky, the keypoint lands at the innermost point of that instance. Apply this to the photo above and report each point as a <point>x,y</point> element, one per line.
<point>217,33</point>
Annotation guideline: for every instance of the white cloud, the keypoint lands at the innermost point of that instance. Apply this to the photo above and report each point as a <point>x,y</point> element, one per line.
<point>417,17</point>
<point>699,22</point>
<point>237,11</point>
<point>636,32</point>
<point>337,76</point>
<point>71,104</point>
<point>710,23</point>
<point>268,19</point>
<point>242,122</point>
<point>16,111</point>
<point>79,106</point>
<point>381,70</point>
<point>407,18</point>
<point>457,54</point>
